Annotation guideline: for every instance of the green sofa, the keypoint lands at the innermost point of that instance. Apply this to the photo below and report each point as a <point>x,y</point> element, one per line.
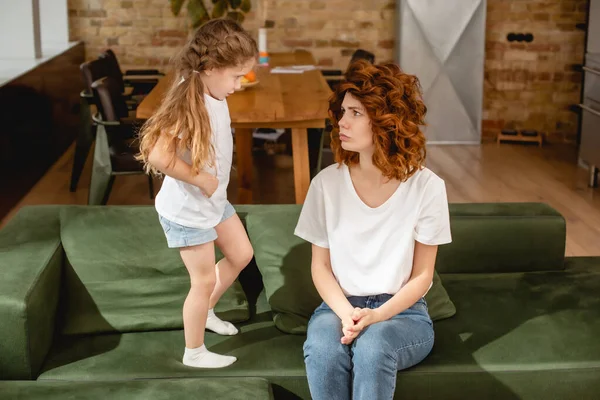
<point>90,307</point>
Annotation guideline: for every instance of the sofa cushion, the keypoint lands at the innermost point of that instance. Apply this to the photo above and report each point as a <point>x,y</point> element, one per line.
<point>155,389</point>
<point>120,275</point>
<point>261,349</point>
<point>527,335</point>
<point>284,262</point>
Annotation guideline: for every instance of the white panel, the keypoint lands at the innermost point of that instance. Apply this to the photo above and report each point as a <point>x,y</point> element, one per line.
<point>18,29</point>
<point>417,58</point>
<point>54,21</point>
<point>446,114</point>
<point>593,44</point>
<point>463,67</point>
<point>443,21</point>
<point>442,42</point>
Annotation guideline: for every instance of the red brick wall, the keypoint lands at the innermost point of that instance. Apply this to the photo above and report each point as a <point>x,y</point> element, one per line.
<point>527,85</point>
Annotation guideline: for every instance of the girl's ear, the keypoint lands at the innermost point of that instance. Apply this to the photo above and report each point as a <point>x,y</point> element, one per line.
<point>208,72</point>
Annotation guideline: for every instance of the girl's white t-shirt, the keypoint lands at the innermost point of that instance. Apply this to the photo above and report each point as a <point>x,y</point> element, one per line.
<point>371,249</point>
<point>185,204</point>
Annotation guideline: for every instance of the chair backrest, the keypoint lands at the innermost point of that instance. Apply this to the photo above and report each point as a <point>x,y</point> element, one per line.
<point>93,70</point>
<point>111,103</point>
<point>361,54</point>
<point>113,67</point>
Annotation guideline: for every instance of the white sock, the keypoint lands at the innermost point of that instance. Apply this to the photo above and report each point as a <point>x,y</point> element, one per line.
<point>221,327</point>
<point>200,357</point>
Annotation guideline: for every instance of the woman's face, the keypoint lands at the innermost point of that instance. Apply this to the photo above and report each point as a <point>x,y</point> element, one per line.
<point>355,126</point>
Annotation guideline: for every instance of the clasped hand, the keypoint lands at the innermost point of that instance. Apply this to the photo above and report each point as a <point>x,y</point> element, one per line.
<point>358,320</point>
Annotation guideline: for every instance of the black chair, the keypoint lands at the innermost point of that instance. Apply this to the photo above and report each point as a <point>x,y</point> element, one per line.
<point>140,80</point>
<point>91,71</point>
<point>115,149</point>
<point>335,76</point>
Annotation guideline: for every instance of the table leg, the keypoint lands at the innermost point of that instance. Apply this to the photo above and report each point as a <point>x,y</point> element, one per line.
<point>243,146</point>
<point>593,182</point>
<point>301,164</point>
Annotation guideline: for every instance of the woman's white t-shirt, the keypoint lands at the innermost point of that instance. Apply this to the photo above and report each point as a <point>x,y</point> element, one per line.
<point>185,204</point>
<point>371,249</point>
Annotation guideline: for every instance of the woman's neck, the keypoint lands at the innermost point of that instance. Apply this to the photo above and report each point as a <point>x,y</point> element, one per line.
<point>368,170</point>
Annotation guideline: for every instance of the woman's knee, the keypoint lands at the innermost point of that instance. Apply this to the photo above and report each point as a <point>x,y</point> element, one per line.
<point>384,346</point>
<point>414,353</point>
<point>373,356</point>
<point>323,339</point>
<point>322,353</point>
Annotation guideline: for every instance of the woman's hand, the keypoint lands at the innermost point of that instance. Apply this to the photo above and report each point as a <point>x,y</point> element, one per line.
<point>365,317</point>
<point>358,320</point>
<point>347,324</point>
<point>361,318</point>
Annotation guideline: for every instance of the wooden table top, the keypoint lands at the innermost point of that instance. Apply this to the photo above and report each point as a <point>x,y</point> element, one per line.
<point>277,101</point>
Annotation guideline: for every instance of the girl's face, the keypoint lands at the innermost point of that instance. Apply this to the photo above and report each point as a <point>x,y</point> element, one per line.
<point>221,82</point>
<point>355,126</point>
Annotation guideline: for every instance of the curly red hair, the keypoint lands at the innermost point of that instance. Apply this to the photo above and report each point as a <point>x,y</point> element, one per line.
<point>392,100</point>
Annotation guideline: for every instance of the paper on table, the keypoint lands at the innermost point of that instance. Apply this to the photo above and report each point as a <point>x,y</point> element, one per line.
<point>293,69</point>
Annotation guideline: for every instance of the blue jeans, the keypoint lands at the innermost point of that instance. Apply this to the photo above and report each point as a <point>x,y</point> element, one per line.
<point>367,368</point>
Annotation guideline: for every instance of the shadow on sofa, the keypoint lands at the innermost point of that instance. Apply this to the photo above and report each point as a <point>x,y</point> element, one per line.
<point>79,298</point>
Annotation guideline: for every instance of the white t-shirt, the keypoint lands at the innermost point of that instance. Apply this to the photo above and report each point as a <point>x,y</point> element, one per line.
<point>371,249</point>
<point>185,204</point>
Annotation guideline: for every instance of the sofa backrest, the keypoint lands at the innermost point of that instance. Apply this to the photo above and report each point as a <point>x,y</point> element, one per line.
<point>503,237</point>
<point>119,274</point>
<point>489,237</point>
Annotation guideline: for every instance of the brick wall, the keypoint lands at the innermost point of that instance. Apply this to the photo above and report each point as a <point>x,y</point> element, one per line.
<point>527,85</point>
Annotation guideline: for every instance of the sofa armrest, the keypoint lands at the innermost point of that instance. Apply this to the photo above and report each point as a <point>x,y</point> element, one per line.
<point>31,259</point>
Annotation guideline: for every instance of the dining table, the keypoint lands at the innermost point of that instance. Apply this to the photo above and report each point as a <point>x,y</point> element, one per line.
<point>294,100</point>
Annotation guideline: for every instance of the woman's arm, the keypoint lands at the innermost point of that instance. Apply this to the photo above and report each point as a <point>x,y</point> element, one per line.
<point>417,285</point>
<point>169,164</point>
<point>327,285</point>
<point>415,288</point>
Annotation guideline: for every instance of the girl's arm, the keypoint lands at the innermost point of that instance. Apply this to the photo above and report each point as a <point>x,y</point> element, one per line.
<point>161,159</point>
<point>416,287</point>
<point>327,285</point>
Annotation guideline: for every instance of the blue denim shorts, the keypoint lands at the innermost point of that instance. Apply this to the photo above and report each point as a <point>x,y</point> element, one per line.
<point>184,236</point>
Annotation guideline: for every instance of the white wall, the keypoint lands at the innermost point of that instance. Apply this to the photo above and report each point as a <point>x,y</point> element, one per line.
<point>19,29</point>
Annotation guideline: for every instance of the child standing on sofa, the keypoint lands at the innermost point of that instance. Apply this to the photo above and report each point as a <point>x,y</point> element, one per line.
<point>189,140</point>
<point>375,220</point>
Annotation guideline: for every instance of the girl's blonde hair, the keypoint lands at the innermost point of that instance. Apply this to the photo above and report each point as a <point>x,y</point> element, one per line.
<point>182,116</point>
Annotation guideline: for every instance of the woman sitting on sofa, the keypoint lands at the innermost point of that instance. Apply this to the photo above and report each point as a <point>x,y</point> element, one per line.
<point>375,220</point>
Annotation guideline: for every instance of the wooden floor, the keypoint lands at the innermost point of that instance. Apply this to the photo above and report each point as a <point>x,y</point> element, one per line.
<point>486,173</point>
